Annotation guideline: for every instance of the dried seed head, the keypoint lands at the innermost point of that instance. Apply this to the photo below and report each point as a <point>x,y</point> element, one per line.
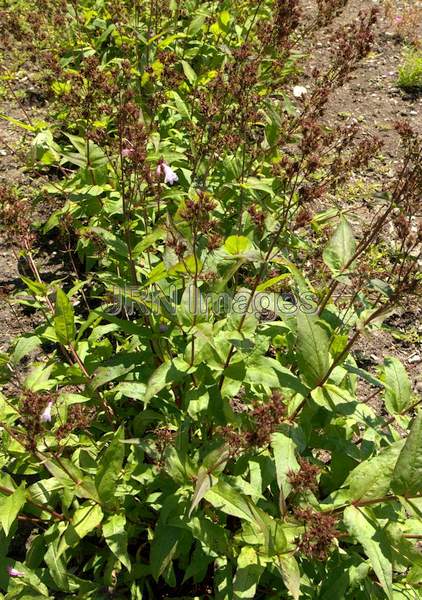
<point>320,532</point>
<point>305,479</point>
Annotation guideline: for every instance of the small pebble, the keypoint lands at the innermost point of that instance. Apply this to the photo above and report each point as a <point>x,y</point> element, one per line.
<point>414,359</point>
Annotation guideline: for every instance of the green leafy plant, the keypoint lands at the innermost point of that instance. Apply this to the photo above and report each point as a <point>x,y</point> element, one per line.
<point>410,73</point>
<point>185,419</point>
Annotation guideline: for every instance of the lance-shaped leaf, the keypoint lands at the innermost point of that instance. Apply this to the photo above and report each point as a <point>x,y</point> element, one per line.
<point>226,498</point>
<point>165,545</point>
<point>85,520</point>
<point>312,348</point>
<point>290,572</point>
<point>341,247</point>
<point>372,477</point>
<point>214,463</point>
<point>114,530</point>
<point>10,507</point>
<point>166,374</point>
<point>286,443</point>
<point>64,319</point>
<point>223,579</point>
<point>249,570</point>
<point>398,389</point>
<point>374,542</point>
<point>110,466</point>
<point>407,476</point>
<point>56,564</point>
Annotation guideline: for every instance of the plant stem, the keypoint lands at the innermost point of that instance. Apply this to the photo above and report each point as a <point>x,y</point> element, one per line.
<point>52,512</point>
<point>362,503</point>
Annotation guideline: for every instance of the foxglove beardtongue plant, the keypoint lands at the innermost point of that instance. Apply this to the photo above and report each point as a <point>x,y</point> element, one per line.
<point>211,438</point>
<point>165,170</point>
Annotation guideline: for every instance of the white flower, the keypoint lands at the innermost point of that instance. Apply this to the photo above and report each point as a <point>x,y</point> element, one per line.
<point>46,414</point>
<point>170,176</point>
<point>299,91</point>
<point>14,572</point>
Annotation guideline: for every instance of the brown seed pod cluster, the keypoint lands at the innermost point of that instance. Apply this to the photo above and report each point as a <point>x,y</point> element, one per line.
<point>79,417</point>
<point>319,535</point>
<point>31,408</point>
<point>16,218</point>
<point>305,479</point>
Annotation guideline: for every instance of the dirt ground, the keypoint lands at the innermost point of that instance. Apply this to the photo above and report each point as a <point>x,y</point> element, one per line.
<point>13,321</point>
<point>374,99</point>
<point>371,96</point>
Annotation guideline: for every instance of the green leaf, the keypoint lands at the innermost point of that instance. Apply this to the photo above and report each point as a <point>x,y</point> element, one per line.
<point>105,374</point>
<point>114,530</point>
<point>341,402</point>
<point>110,467</point>
<point>56,563</point>
<point>166,374</point>
<point>224,19</point>
<point>214,463</point>
<point>374,541</point>
<point>10,507</point>
<point>227,499</point>
<point>85,519</point>
<point>72,478</point>
<point>116,245</point>
<point>44,149</point>
<point>212,536</point>
<point>39,377</point>
<point>189,72</point>
<point>237,244</point>
<point>290,573</point>
<point>164,547</point>
<point>35,287</point>
<point>24,346</point>
<point>17,122</point>
<point>28,587</point>
<point>89,154</point>
<point>249,571</point>
<point>312,348</point>
<point>273,281</point>
<point>285,444</point>
<point>407,476</point>
<point>204,482</point>
<point>340,248</point>
<point>398,389</point>
<point>148,240</point>
<point>223,579</point>
<point>372,478</point>
<point>180,105</point>
<point>198,567</point>
<point>64,319</point>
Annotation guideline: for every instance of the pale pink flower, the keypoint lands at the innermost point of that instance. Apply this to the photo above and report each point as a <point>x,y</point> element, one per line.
<point>14,572</point>
<point>170,176</point>
<point>127,152</point>
<point>46,414</point>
